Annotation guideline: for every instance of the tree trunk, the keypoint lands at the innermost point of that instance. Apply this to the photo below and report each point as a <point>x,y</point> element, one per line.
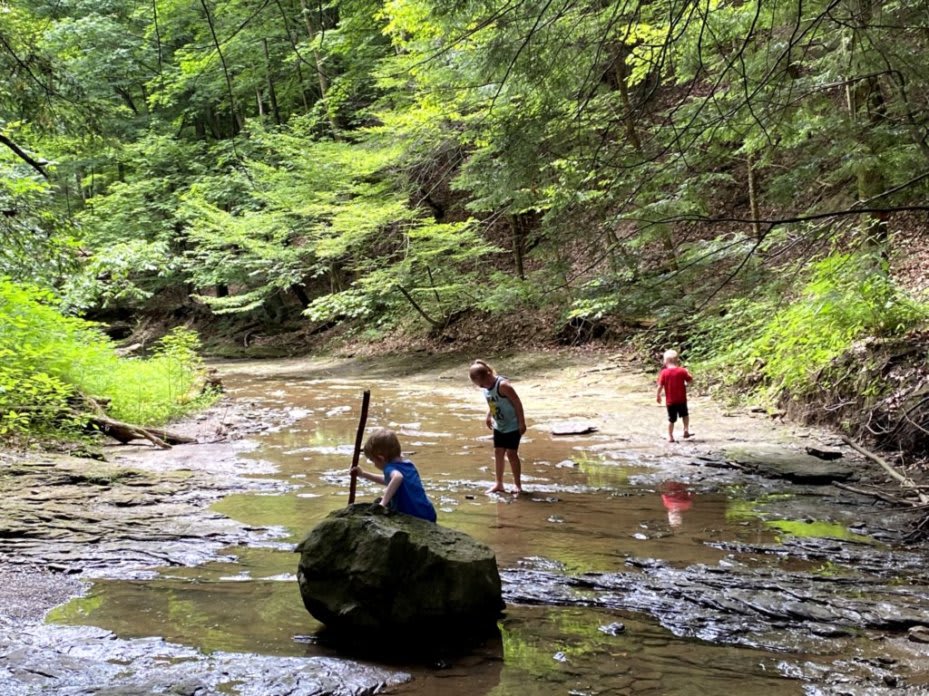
<point>867,109</point>
<point>301,295</point>
<point>320,73</point>
<point>753,196</point>
<point>518,235</point>
<point>272,95</point>
<point>303,92</point>
<point>622,75</point>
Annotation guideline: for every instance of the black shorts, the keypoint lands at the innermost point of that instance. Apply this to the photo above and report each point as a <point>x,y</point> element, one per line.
<point>508,441</point>
<point>675,410</point>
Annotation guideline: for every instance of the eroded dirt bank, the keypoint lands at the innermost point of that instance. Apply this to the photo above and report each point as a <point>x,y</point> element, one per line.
<point>767,576</point>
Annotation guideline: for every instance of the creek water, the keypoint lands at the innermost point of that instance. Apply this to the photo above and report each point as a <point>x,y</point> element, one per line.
<point>593,502</point>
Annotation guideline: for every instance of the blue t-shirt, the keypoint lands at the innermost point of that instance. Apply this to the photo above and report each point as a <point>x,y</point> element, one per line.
<point>411,496</point>
<point>502,411</point>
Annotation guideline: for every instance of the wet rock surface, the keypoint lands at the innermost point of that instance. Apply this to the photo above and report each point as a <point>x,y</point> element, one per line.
<point>778,462</point>
<point>96,519</point>
<point>736,604</point>
<point>699,598</point>
<point>66,661</point>
<point>64,520</point>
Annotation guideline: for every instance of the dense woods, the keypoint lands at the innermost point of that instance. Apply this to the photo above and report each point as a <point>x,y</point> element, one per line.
<point>747,179</point>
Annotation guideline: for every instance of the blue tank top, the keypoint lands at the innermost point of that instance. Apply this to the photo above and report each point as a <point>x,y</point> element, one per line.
<point>502,410</point>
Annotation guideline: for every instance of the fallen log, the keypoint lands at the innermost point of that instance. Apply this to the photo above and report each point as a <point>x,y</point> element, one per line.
<point>126,432</point>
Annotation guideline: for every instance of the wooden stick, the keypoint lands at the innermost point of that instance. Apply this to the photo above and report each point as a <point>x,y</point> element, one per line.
<point>904,481</point>
<point>365,400</point>
<point>875,494</point>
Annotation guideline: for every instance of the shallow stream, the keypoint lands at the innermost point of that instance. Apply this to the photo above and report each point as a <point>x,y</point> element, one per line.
<point>615,501</point>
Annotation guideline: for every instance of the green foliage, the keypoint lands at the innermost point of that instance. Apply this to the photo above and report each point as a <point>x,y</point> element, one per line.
<point>784,347</point>
<point>46,357</point>
<point>396,163</point>
<point>152,390</point>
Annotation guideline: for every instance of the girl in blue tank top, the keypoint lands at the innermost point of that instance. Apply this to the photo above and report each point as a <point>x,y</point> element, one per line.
<point>505,418</point>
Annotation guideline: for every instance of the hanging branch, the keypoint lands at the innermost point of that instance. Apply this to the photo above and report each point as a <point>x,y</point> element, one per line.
<point>418,308</point>
<point>23,155</point>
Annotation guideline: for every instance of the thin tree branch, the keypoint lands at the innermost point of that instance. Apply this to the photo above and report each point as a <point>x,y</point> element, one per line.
<point>24,156</point>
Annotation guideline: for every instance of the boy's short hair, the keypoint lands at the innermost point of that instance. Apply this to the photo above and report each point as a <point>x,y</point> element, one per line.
<point>383,443</point>
<point>670,356</point>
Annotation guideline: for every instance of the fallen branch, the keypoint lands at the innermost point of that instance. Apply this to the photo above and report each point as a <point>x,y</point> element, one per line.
<point>874,494</point>
<point>126,432</point>
<point>904,480</point>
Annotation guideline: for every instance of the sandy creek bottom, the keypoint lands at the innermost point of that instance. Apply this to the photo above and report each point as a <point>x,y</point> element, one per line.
<point>593,503</point>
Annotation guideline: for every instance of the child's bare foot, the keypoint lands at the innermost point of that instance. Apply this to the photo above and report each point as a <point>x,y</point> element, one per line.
<point>688,434</point>
<point>518,490</point>
<point>496,489</point>
<point>670,439</point>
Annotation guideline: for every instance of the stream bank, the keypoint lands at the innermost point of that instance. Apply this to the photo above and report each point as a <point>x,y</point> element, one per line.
<point>758,583</point>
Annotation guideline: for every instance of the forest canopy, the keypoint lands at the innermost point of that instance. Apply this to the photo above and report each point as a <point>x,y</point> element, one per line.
<point>409,162</point>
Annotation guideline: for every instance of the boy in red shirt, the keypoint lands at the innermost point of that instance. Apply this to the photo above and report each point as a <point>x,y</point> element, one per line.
<point>673,380</point>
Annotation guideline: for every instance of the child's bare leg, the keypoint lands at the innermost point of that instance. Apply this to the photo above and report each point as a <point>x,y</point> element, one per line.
<point>517,468</point>
<point>670,432</point>
<point>499,453</point>
<point>686,420</point>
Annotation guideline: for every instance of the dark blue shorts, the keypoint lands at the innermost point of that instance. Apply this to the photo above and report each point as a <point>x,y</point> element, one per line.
<point>508,441</point>
<point>675,410</point>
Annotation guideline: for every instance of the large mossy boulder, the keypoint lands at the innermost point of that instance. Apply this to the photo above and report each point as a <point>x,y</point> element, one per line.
<point>364,572</point>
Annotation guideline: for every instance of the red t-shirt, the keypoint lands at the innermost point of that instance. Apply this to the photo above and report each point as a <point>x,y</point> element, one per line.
<point>674,380</point>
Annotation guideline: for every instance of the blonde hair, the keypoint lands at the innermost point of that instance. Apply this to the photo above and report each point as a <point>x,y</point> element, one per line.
<point>670,356</point>
<point>382,443</point>
<point>480,369</point>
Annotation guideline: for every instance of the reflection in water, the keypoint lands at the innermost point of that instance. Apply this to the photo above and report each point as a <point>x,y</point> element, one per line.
<point>583,513</point>
<point>676,499</point>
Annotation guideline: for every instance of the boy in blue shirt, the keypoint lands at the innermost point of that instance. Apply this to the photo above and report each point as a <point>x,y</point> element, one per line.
<point>405,492</point>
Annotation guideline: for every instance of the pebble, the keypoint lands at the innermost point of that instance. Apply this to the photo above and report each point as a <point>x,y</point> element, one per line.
<point>613,629</point>
<point>918,634</point>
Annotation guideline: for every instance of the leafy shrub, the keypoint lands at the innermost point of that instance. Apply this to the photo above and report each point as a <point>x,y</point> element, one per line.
<point>46,357</point>
<point>153,390</point>
<point>784,346</point>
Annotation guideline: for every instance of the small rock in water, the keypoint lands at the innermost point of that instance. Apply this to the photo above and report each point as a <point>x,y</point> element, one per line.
<point>613,629</point>
<point>573,428</point>
<point>918,634</point>
<point>640,536</point>
<point>566,464</point>
<point>560,657</point>
<point>823,454</point>
<point>556,519</point>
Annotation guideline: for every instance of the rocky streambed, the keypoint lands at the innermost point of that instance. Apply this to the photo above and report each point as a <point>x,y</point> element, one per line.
<point>735,560</point>
<point>66,521</point>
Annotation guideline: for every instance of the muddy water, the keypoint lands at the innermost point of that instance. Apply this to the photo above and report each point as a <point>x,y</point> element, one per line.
<point>594,504</point>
